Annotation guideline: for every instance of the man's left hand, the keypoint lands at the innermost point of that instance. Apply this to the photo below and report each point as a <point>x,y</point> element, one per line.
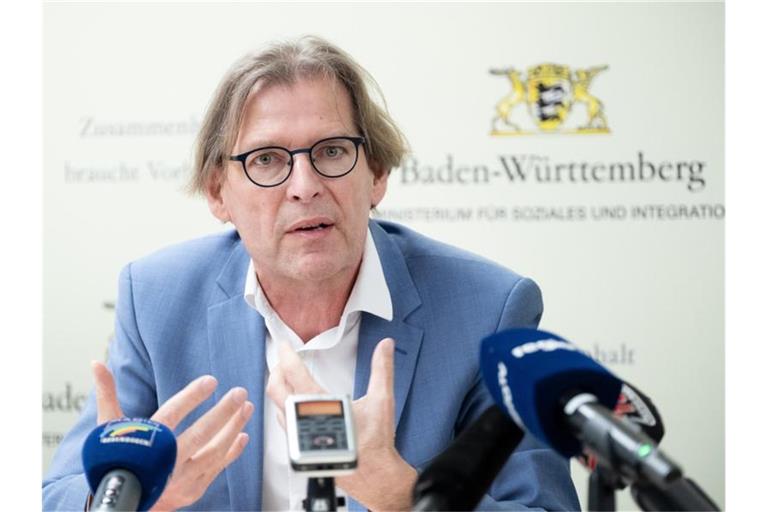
<point>382,480</point>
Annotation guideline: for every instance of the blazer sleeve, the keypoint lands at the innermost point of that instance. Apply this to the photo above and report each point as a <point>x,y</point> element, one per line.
<point>534,477</point>
<point>65,486</point>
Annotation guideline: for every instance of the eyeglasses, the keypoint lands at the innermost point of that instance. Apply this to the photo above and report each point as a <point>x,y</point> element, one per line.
<point>271,166</point>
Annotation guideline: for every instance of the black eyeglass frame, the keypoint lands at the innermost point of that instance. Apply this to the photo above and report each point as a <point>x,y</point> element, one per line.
<point>244,156</point>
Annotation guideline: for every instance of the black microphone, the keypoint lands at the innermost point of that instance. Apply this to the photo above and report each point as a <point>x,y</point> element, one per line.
<point>458,478</point>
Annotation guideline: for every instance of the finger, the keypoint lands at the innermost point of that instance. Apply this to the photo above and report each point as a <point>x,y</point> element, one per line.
<point>107,405</point>
<point>277,389</point>
<point>381,381</point>
<point>281,418</point>
<point>204,429</point>
<point>182,403</point>
<point>236,449</point>
<point>211,457</point>
<point>295,373</point>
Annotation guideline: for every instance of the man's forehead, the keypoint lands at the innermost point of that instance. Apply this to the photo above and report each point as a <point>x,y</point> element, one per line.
<point>317,103</point>
<point>262,93</point>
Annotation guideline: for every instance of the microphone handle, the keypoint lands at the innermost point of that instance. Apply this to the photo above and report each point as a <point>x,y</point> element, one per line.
<point>118,490</point>
<point>682,494</point>
<point>601,493</point>
<point>618,443</point>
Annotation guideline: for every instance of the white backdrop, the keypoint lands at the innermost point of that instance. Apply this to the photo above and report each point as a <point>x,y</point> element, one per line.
<point>631,270</point>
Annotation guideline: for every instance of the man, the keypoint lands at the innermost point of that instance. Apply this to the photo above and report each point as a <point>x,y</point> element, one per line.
<point>306,295</point>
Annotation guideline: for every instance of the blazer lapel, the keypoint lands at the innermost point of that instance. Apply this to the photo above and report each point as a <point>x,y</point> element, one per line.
<point>236,347</point>
<point>408,337</point>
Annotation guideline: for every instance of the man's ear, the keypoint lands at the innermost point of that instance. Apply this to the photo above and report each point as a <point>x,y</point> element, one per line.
<point>379,188</point>
<point>216,202</point>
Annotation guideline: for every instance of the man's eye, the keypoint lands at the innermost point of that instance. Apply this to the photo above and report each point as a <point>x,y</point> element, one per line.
<point>265,159</point>
<point>332,151</point>
<point>269,159</point>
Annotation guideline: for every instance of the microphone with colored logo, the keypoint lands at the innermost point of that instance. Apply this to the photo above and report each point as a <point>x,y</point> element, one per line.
<point>127,463</point>
<point>458,478</point>
<point>565,399</point>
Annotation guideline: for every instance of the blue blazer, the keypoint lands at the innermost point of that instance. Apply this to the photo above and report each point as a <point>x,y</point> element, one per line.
<point>181,314</point>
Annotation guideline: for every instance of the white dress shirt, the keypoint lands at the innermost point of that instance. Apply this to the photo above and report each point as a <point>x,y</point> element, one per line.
<point>330,357</point>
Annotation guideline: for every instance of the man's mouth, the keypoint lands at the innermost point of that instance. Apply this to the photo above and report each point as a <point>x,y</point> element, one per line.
<point>314,227</point>
<point>311,224</point>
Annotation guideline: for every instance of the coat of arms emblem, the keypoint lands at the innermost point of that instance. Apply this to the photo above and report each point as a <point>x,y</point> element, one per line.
<point>550,91</point>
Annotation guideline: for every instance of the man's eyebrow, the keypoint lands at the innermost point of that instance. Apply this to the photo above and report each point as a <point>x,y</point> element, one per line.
<point>260,143</point>
<point>271,143</point>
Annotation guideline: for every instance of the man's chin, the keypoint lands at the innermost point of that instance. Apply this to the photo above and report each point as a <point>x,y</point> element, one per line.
<point>318,268</point>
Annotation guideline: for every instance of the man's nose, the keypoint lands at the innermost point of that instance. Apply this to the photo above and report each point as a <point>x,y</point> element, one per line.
<point>305,183</point>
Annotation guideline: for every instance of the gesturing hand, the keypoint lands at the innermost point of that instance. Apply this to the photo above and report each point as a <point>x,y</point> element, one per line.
<point>203,450</point>
<point>383,480</point>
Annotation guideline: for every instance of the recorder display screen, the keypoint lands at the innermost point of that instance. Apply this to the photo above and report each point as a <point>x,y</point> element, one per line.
<point>321,425</point>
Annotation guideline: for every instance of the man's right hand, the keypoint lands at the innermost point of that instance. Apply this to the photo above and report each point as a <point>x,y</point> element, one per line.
<point>203,450</point>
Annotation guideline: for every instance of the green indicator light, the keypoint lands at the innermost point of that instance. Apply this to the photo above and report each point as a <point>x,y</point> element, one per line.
<point>644,450</point>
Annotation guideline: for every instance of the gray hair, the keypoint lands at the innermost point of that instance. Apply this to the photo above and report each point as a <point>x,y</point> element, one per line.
<point>282,63</point>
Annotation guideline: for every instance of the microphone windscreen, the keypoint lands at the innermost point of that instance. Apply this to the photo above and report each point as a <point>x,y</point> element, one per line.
<point>532,373</point>
<point>141,446</point>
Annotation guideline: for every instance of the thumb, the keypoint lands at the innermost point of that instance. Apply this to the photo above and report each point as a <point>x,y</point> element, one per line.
<point>107,406</point>
<point>382,378</point>
<point>297,377</point>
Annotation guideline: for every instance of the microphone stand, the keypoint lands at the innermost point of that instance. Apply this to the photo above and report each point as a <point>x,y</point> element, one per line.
<point>630,457</point>
<point>321,495</point>
<point>682,493</point>
<point>602,490</point>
